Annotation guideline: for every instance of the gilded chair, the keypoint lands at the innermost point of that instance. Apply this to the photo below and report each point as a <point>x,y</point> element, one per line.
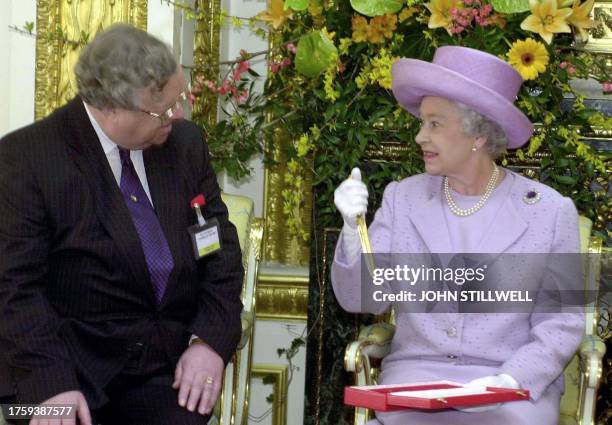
<point>232,407</point>
<point>582,374</point>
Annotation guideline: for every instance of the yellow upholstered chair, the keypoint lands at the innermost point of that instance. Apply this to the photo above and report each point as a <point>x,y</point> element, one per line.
<point>232,407</point>
<point>582,375</point>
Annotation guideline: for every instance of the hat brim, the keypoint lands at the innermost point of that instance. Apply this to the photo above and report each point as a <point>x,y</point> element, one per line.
<point>415,79</point>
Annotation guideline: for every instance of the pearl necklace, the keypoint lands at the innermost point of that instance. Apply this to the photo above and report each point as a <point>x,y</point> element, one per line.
<point>485,196</point>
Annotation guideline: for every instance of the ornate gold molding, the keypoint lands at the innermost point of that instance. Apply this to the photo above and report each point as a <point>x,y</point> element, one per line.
<point>279,376</point>
<point>282,297</point>
<point>206,58</point>
<point>55,59</point>
<point>279,246</point>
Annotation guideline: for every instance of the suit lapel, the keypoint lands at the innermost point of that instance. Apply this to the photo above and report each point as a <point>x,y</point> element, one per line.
<point>163,182</point>
<point>430,222</point>
<point>87,153</point>
<point>507,226</point>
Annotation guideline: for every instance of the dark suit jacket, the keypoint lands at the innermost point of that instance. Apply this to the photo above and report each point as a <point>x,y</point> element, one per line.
<point>75,292</point>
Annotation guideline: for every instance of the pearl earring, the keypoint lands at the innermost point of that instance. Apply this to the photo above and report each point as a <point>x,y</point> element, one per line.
<point>474,148</point>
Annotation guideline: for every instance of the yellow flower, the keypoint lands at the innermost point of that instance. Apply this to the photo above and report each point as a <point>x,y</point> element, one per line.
<point>388,24</point>
<point>331,93</point>
<point>315,8</point>
<point>407,13</point>
<point>381,69</point>
<point>276,14</point>
<point>303,146</point>
<point>546,19</point>
<point>376,33</point>
<point>344,46</point>
<point>360,28</point>
<point>440,13</point>
<point>330,35</point>
<point>579,18</point>
<point>528,57</point>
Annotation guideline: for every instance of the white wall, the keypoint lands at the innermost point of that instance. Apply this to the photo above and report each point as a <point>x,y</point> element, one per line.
<point>17,56</point>
<point>232,41</point>
<point>269,336</point>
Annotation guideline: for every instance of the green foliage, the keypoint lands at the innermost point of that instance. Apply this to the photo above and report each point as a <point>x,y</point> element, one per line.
<point>377,7</point>
<point>354,113</point>
<point>315,53</point>
<point>510,6</point>
<point>296,4</point>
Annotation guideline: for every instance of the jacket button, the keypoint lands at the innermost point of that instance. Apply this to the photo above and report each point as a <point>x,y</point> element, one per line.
<point>451,356</point>
<point>451,332</point>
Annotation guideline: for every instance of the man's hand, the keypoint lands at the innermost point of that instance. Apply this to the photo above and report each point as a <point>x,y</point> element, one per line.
<point>71,398</point>
<point>198,378</point>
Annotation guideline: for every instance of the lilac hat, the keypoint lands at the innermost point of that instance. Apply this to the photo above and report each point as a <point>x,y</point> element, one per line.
<point>477,79</point>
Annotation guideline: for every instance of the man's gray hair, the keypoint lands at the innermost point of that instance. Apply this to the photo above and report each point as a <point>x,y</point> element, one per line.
<point>475,124</point>
<point>118,63</point>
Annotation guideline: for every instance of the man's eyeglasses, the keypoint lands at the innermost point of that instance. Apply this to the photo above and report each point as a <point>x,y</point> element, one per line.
<point>166,116</point>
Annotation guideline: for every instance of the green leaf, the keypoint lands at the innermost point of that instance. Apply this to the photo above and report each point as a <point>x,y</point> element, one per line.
<point>376,7</point>
<point>566,180</point>
<point>296,4</point>
<point>315,53</point>
<point>510,6</point>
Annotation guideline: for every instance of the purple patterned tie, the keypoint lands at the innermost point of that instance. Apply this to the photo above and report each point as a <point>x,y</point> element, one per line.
<point>154,243</point>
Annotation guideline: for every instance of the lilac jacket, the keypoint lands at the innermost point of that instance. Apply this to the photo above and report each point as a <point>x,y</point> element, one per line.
<point>533,348</point>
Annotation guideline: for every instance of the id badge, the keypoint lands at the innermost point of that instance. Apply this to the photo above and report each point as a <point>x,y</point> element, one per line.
<point>205,238</point>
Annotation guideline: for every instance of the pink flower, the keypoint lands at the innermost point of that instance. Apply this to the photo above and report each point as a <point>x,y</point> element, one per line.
<point>291,47</point>
<point>467,2</point>
<point>225,88</point>
<point>474,12</point>
<point>487,9</point>
<point>563,65</point>
<point>286,62</point>
<point>243,66</point>
<point>274,67</point>
<point>457,29</point>
<point>242,97</point>
<point>341,68</point>
<point>607,87</point>
<point>453,12</point>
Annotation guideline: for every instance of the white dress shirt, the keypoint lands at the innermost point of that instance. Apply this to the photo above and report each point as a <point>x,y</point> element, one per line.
<point>111,151</point>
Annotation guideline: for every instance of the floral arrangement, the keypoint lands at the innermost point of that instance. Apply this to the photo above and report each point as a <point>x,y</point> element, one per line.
<point>329,83</point>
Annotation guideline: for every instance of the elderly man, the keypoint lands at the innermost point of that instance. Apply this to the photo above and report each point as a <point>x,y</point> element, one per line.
<point>104,302</point>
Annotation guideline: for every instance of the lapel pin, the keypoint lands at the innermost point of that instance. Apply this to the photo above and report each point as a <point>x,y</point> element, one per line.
<point>531,197</point>
<point>134,198</point>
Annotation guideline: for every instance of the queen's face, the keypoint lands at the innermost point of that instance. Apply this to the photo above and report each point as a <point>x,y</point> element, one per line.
<point>446,149</point>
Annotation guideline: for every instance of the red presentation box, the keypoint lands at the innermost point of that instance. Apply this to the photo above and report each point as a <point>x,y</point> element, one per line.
<point>386,398</point>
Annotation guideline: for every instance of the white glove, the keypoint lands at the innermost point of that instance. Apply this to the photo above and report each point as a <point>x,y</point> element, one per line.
<point>351,199</point>
<point>500,381</point>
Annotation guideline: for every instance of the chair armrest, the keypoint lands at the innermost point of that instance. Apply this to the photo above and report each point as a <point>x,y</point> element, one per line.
<point>247,320</point>
<point>374,343</point>
<point>591,353</point>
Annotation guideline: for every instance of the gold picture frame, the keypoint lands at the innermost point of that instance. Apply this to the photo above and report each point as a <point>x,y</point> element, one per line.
<point>280,385</point>
<point>55,56</point>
